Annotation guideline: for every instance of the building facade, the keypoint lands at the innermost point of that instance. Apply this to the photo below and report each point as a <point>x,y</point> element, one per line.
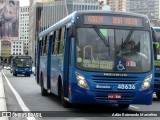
<point>5,51</point>
<point>17,47</point>
<point>116,5</point>
<point>48,13</point>
<point>24,27</point>
<point>151,7</point>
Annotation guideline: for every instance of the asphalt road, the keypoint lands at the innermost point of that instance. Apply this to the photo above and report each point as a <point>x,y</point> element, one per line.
<point>27,97</point>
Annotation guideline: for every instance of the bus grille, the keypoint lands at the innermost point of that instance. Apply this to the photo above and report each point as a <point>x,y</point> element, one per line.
<point>111,79</point>
<point>157,75</point>
<point>156,85</point>
<point>157,80</point>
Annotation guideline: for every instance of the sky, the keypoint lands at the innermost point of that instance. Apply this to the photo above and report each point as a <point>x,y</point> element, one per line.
<point>24,2</point>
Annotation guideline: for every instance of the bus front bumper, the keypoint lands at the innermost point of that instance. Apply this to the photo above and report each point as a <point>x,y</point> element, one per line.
<point>24,72</point>
<point>80,96</point>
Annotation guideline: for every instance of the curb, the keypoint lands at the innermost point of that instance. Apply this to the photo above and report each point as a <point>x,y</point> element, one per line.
<point>3,106</point>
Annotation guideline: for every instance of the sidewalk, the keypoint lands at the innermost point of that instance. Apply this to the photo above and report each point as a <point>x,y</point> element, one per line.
<point>2,98</point>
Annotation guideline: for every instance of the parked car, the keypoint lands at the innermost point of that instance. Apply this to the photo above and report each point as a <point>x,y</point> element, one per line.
<point>33,70</point>
<point>5,67</point>
<point>8,68</point>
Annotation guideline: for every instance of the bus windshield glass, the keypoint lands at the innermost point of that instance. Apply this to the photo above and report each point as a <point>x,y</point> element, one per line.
<point>23,62</point>
<point>113,50</point>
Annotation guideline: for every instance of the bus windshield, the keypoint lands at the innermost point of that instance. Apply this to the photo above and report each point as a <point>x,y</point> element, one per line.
<point>113,50</point>
<point>23,62</point>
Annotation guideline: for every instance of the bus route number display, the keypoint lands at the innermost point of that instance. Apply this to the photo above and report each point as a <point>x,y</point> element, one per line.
<point>113,20</point>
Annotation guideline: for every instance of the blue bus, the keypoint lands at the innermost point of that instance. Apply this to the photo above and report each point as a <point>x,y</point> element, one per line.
<point>80,60</point>
<point>156,43</point>
<point>21,64</point>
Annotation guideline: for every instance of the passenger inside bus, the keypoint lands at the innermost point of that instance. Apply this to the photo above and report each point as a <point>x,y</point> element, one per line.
<point>126,50</point>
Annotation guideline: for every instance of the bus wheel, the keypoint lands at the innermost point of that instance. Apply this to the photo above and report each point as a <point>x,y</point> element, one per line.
<point>15,74</point>
<point>158,95</point>
<point>123,106</point>
<point>43,90</point>
<point>65,103</point>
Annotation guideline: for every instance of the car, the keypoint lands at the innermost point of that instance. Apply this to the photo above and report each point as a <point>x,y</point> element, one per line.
<point>5,67</point>
<point>33,70</point>
<point>8,68</point>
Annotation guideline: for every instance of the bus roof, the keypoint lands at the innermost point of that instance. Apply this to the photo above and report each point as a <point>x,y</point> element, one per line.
<point>110,12</point>
<point>72,17</point>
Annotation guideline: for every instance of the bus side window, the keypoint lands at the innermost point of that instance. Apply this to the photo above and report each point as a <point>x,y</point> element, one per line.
<point>55,42</point>
<point>45,47</point>
<point>42,44</point>
<point>61,42</point>
<point>47,44</point>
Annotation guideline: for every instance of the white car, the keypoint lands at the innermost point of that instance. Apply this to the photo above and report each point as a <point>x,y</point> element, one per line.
<point>4,67</point>
<point>33,70</point>
<point>8,68</point>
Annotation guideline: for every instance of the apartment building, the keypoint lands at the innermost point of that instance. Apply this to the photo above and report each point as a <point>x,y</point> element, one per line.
<point>17,47</point>
<point>49,12</point>
<point>116,5</point>
<point>24,27</point>
<point>146,7</point>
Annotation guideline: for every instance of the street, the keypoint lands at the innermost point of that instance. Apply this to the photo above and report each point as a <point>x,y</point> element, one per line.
<point>27,97</point>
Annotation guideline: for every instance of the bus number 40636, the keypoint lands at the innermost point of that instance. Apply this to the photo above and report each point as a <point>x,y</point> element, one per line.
<point>126,87</point>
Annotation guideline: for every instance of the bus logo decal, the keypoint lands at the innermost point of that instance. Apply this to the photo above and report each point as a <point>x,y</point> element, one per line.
<point>114,74</point>
<point>103,86</point>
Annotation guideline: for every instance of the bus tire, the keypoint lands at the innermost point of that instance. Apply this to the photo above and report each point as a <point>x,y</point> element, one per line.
<point>123,106</point>
<point>158,95</point>
<point>65,103</point>
<point>43,90</point>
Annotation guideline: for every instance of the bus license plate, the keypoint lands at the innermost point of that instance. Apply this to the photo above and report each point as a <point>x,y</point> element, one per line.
<point>114,96</point>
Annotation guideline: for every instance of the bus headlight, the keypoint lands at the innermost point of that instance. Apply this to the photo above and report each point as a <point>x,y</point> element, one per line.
<point>81,81</point>
<point>146,83</point>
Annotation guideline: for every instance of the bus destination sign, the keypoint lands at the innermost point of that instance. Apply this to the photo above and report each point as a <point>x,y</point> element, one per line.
<point>113,20</point>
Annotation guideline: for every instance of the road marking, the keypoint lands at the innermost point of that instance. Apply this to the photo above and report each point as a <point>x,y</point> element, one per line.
<point>19,99</point>
<point>3,106</point>
<point>134,107</point>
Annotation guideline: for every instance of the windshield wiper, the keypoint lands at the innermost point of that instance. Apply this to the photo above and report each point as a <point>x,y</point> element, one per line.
<point>104,40</point>
<point>128,37</point>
